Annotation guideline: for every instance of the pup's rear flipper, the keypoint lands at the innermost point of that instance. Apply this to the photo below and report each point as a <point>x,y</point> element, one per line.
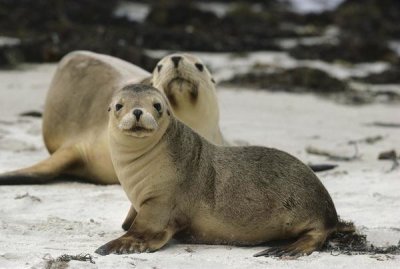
<point>345,227</point>
<point>58,163</point>
<point>304,245</point>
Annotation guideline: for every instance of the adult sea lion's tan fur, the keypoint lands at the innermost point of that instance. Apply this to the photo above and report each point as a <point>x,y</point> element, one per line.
<point>75,121</point>
<point>182,186</point>
<point>189,86</point>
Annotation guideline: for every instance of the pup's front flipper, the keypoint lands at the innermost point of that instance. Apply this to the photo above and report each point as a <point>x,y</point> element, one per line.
<point>150,231</point>
<point>129,219</point>
<point>123,245</point>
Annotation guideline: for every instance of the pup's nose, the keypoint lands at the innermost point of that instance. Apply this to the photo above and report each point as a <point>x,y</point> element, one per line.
<point>175,60</point>
<point>137,113</point>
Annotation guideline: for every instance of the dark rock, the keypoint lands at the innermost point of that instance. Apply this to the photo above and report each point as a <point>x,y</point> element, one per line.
<point>51,47</point>
<point>180,14</point>
<point>369,19</point>
<point>170,25</point>
<point>365,27</point>
<point>201,40</point>
<point>389,76</point>
<point>182,26</point>
<point>346,50</point>
<point>90,25</point>
<point>272,19</point>
<point>10,56</point>
<point>305,79</point>
<point>246,27</point>
<point>265,2</point>
<point>74,25</point>
<point>300,79</point>
<point>322,19</point>
<point>388,155</point>
<point>43,15</point>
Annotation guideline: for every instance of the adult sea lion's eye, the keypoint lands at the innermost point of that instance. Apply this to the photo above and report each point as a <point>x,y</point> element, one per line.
<point>157,106</point>
<point>199,66</point>
<point>118,107</point>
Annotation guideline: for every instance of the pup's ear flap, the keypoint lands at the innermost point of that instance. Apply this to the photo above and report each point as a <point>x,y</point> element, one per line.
<point>109,109</point>
<point>169,113</point>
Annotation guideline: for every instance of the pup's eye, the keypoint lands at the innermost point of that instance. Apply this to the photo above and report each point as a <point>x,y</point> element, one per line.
<point>118,107</point>
<point>157,106</point>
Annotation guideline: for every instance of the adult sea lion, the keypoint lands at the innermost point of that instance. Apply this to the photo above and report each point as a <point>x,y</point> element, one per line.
<point>75,121</point>
<point>189,86</point>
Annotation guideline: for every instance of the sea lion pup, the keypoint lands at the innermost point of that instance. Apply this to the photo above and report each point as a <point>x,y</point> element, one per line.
<point>182,186</point>
<point>75,122</point>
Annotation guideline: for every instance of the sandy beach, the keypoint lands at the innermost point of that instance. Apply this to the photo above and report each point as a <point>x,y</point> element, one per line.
<point>42,222</point>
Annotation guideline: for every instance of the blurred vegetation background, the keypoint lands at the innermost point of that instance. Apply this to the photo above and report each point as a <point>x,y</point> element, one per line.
<point>352,32</point>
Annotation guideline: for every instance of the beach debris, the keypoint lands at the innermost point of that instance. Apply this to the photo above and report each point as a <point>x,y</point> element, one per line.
<point>392,156</point>
<point>332,155</point>
<point>368,140</point>
<point>385,124</point>
<point>62,261</point>
<point>33,114</point>
<point>322,167</point>
<point>387,155</point>
<point>189,250</point>
<point>80,257</point>
<point>27,195</point>
<point>356,244</point>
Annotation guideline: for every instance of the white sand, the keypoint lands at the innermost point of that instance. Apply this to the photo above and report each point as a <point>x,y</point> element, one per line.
<point>73,218</point>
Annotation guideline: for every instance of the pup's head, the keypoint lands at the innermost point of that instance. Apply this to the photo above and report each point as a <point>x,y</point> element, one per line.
<point>183,78</point>
<point>139,111</point>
